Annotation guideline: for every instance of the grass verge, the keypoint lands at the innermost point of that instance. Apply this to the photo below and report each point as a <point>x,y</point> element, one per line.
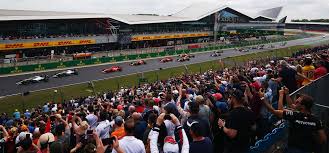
<point>9,104</point>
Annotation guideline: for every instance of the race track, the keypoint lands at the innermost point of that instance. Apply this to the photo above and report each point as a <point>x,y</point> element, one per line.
<point>8,86</point>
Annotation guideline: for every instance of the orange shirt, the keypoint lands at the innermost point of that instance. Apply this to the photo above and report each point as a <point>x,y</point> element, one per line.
<point>119,132</point>
<point>308,71</point>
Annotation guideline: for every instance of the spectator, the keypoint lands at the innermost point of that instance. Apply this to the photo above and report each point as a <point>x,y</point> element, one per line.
<point>129,143</point>
<point>119,130</point>
<point>91,117</point>
<point>320,70</point>
<point>308,70</point>
<point>204,110</point>
<point>200,143</point>
<point>4,139</point>
<point>63,133</point>
<point>193,108</point>
<point>140,125</point>
<point>104,127</point>
<point>306,131</point>
<point>238,125</point>
<point>45,141</point>
<point>17,115</point>
<point>170,143</point>
<point>27,114</point>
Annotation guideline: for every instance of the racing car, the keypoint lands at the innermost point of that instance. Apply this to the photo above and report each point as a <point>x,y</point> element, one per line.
<point>166,59</point>
<point>66,73</point>
<point>183,59</point>
<point>216,54</point>
<point>186,55</point>
<point>35,79</point>
<point>112,69</point>
<point>140,62</point>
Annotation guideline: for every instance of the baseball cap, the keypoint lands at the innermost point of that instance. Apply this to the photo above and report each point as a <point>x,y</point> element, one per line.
<point>118,120</point>
<point>156,100</point>
<point>256,85</point>
<point>222,106</point>
<point>217,96</point>
<point>238,94</point>
<point>92,120</point>
<point>119,107</point>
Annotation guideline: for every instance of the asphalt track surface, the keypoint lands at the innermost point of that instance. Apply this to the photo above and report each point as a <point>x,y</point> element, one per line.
<point>8,84</point>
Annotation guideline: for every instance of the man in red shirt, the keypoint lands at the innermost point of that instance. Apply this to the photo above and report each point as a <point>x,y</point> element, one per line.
<point>320,70</point>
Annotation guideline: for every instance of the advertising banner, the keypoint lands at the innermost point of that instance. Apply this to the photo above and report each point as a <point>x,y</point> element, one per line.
<point>25,45</point>
<point>169,36</point>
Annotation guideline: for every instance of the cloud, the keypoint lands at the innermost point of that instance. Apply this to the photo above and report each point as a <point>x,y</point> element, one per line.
<point>292,8</point>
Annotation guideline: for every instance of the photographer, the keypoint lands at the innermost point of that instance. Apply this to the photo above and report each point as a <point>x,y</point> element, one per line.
<point>170,143</point>
<point>306,132</point>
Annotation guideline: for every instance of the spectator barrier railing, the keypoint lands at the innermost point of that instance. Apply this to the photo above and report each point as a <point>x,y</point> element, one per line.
<point>276,141</point>
<point>76,63</point>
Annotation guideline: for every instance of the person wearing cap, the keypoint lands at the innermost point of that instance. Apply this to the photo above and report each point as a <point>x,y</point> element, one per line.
<point>193,109</point>
<point>237,127</point>
<point>27,114</point>
<point>306,131</point>
<point>17,115</point>
<point>129,143</point>
<point>119,130</point>
<point>170,143</point>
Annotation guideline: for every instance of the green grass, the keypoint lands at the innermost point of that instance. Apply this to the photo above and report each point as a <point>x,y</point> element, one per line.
<point>8,104</point>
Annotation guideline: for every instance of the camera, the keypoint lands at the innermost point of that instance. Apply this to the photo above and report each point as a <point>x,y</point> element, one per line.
<point>108,141</point>
<point>89,132</point>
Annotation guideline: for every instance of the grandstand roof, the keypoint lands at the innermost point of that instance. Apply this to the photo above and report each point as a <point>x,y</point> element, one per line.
<point>271,13</point>
<point>191,13</point>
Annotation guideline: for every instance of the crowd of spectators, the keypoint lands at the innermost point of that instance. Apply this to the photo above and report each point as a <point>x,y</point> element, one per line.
<point>219,111</point>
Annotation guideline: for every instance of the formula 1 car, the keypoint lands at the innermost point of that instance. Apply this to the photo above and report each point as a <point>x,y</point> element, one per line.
<point>35,79</point>
<point>183,59</point>
<point>112,69</point>
<point>216,54</point>
<point>140,62</point>
<point>66,73</point>
<point>186,55</point>
<point>166,59</point>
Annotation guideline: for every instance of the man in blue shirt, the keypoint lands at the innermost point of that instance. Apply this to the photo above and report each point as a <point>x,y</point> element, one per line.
<point>27,114</point>
<point>17,115</point>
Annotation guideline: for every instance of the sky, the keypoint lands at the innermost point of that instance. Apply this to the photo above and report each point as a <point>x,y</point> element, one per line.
<point>294,9</point>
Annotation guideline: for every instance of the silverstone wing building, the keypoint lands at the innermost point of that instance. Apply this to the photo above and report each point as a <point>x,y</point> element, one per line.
<point>27,33</point>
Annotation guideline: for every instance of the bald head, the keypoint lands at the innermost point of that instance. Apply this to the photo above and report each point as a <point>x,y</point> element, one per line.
<point>136,116</point>
<point>131,109</point>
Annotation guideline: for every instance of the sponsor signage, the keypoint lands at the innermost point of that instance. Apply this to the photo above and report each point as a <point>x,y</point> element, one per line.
<point>172,36</point>
<point>25,45</point>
